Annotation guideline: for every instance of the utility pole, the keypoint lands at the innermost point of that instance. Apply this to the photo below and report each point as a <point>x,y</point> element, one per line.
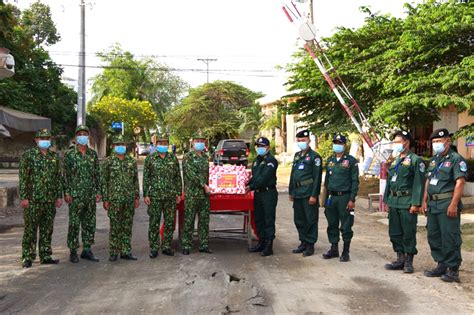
<point>81,91</point>
<point>311,12</point>
<point>207,61</point>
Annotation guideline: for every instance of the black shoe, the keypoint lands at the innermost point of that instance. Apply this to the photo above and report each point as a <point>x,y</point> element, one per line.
<point>397,264</point>
<point>73,257</point>
<point>409,264</point>
<point>113,257</point>
<point>27,264</point>
<point>268,250</point>
<point>205,250</point>
<point>88,255</point>
<point>436,272</point>
<point>258,247</point>
<point>333,252</point>
<point>128,257</point>
<point>153,254</point>
<point>345,252</point>
<point>49,261</point>
<point>168,252</point>
<point>185,251</point>
<point>309,250</point>
<point>452,275</point>
<point>300,248</point>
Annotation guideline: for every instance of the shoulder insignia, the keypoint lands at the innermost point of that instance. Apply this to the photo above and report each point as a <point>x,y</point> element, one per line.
<point>463,166</point>
<point>422,167</point>
<point>271,164</point>
<point>317,161</point>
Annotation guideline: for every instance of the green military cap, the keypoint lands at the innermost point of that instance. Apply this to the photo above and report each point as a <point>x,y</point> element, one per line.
<point>43,133</point>
<point>82,128</point>
<point>118,139</point>
<point>198,135</point>
<point>162,137</point>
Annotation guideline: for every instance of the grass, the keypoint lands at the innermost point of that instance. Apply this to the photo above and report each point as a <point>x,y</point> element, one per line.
<point>468,236</point>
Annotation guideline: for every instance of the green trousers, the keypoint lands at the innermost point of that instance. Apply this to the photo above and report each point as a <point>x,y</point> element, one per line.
<point>339,219</point>
<point>402,230</point>
<point>444,237</point>
<point>39,216</point>
<point>193,207</point>
<point>155,209</point>
<point>82,218</point>
<point>265,203</point>
<point>121,223</point>
<point>306,218</point>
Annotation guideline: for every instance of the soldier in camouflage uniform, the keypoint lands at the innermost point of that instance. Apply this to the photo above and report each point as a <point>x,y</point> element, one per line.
<point>81,192</point>
<point>120,195</point>
<point>40,195</point>
<point>196,193</point>
<point>162,189</point>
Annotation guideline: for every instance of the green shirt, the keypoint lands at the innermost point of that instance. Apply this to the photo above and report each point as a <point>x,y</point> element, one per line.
<point>442,173</point>
<point>406,176</point>
<point>195,174</point>
<point>161,176</point>
<point>81,173</point>
<point>342,175</point>
<point>264,172</point>
<point>306,173</point>
<point>119,179</point>
<point>40,176</point>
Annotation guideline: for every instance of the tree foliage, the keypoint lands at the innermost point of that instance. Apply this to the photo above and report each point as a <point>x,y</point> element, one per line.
<point>401,71</point>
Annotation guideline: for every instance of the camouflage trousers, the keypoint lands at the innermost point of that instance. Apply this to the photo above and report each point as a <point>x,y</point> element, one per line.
<point>81,219</point>
<point>155,209</point>
<point>193,207</point>
<point>121,223</point>
<point>38,216</point>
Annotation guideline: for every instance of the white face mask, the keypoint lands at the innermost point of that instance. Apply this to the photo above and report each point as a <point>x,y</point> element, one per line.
<point>438,147</point>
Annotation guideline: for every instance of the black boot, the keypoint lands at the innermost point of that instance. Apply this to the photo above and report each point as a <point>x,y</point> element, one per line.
<point>113,257</point>
<point>168,252</point>
<point>27,264</point>
<point>409,264</point>
<point>128,256</point>
<point>436,272</point>
<point>268,250</point>
<point>397,264</point>
<point>332,252</point>
<point>258,247</point>
<point>345,252</point>
<point>73,257</point>
<point>49,261</point>
<point>309,250</point>
<point>301,248</point>
<point>87,254</point>
<point>153,254</point>
<point>452,275</point>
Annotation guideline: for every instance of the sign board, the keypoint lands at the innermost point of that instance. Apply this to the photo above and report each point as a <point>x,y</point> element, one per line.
<point>117,125</point>
<point>470,141</point>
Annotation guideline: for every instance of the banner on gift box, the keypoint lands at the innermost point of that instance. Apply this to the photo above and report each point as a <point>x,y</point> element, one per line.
<point>228,179</point>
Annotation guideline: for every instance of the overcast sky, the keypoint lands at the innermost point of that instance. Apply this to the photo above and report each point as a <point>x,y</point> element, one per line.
<point>247,37</point>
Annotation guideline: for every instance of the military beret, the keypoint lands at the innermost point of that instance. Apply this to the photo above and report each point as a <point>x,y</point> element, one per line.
<point>262,141</point>
<point>303,134</point>
<point>82,128</point>
<point>43,133</point>
<point>440,133</point>
<point>199,135</point>
<point>118,139</point>
<point>339,138</point>
<point>404,134</point>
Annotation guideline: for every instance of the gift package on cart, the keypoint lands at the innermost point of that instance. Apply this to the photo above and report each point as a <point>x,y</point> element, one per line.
<point>228,179</point>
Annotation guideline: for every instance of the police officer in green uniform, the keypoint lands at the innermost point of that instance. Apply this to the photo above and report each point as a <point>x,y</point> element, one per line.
<point>81,192</point>
<point>162,189</point>
<point>342,185</point>
<point>120,196</point>
<point>263,182</point>
<point>40,195</point>
<point>403,196</point>
<point>196,195</point>
<point>446,176</point>
<point>304,190</point>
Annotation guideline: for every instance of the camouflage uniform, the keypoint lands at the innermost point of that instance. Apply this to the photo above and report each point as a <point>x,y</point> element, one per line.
<point>119,186</point>
<point>81,182</point>
<point>195,175</point>
<point>162,183</point>
<point>40,184</point>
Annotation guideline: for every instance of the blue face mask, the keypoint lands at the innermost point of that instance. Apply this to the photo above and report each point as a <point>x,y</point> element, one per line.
<point>120,149</point>
<point>44,144</point>
<point>261,150</point>
<point>438,147</point>
<point>302,145</point>
<point>338,148</point>
<point>398,148</point>
<point>82,140</point>
<point>162,148</point>
<point>199,146</point>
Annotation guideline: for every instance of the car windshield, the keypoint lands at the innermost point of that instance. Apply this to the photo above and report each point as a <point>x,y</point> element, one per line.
<point>234,145</point>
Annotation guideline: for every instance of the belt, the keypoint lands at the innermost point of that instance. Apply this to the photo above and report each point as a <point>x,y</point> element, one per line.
<point>441,196</point>
<point>401,193</point>
<point>305,182</point>
<point>265,189</point>
<point>338,193</point>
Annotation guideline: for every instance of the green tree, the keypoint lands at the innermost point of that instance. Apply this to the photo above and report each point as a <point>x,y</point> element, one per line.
<point>251,118</point>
